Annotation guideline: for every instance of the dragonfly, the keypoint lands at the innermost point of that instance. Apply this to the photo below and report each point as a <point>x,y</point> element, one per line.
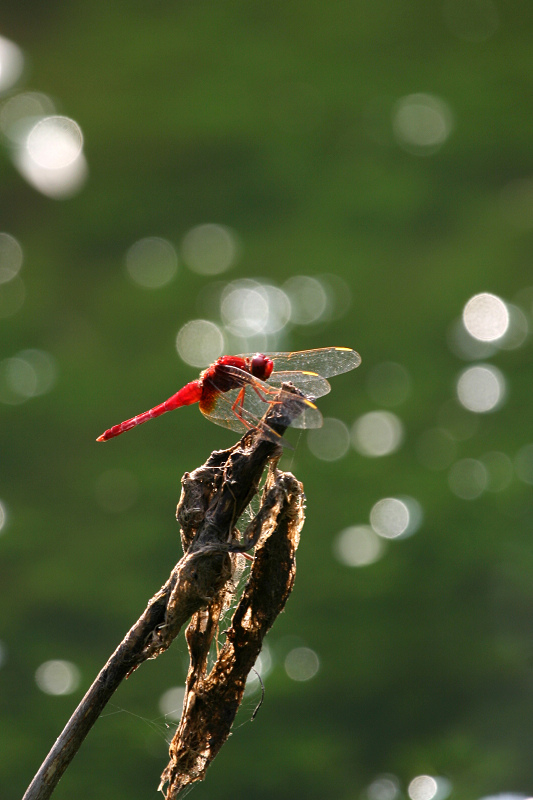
<point>233,391</point>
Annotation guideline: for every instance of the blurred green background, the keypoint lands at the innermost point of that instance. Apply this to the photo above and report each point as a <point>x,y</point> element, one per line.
<point>295,175</point>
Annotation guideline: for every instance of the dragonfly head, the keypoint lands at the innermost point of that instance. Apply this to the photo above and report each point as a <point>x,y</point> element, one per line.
<point>261,367</point>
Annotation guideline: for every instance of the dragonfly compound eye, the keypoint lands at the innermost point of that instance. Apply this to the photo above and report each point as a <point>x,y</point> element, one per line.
<point>261,367</point>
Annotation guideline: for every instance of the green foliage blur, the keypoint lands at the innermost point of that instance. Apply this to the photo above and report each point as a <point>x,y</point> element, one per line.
<point>280,121</point>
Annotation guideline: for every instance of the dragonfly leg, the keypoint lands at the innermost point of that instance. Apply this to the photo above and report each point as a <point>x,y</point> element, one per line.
<point>264,397</point>
<point>238,405</point>
<point>239,401</point>
<point>238,408</point>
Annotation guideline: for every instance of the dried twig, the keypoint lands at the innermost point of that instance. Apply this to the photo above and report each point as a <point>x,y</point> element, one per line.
<point>213,498</point>
<point>211,700</point>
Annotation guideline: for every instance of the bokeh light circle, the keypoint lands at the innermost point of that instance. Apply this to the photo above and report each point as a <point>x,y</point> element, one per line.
<point>394,517</point>
<point>507,796</point>
<point>21,377</point>
<point>427,787</point>
<point>331,441</point>
<point>44,369</point>
<point>301,664</point>
<point>384,787</point>
<point>27,374</point>
<point>11,257</point>
<point>55,142</point>
<point>209,249</point>
<point>244,308</point>
<point>358,546</point>
<point>481,388</point>
<point>389,517</point>
<point>279,309</point>
<point>465,346</point>
<point>523,464</point>
<point>308,298</point>
<point>422,123</point>
<point>249,308</point>
<point>58,184</point>
<point>152,262</point>
<point>423,787</point>
<point>20,113</point>
<point>468,478</point>
<point>338,295</point>
<point>57,677</point>
<point>11,63</point>
<point>200,342</point>
<point>486,317</point>
<point>517,331</point>
<point>377,433</point>
<point>171,702</point>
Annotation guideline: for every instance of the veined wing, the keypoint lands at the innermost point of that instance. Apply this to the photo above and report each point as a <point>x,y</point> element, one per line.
<point>325,361</point>
<point>257,396</point>
<point>311,384</point>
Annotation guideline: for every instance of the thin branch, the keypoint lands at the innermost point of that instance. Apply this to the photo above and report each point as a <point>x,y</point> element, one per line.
<point>213,498</point>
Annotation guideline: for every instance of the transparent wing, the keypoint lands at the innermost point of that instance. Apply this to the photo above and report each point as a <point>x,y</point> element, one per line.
<point>311,384</point>
<point>325,361</point>
<point>225,410</point>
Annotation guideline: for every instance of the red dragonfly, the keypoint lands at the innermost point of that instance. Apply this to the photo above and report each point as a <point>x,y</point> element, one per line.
<point>232,392</point>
